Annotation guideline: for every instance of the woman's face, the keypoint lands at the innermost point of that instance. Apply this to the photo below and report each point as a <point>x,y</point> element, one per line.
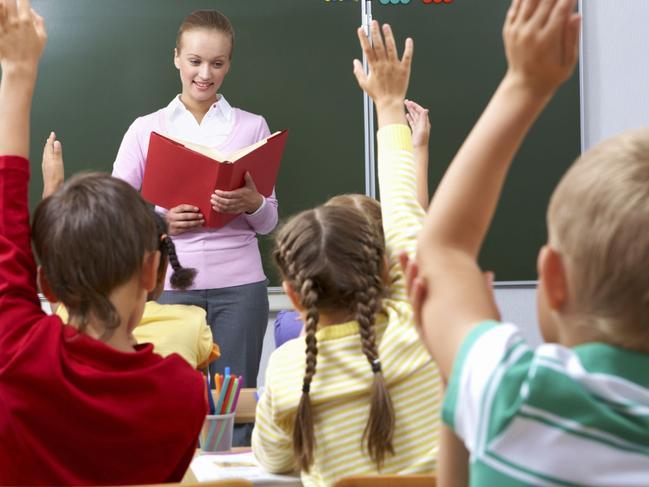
<point>203,60</point>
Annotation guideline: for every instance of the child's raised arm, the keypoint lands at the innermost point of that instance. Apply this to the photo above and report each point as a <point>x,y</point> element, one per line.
<point>22,39</point>
<point>386,84</point>
<point>417,117</point>
<point>541,47</point>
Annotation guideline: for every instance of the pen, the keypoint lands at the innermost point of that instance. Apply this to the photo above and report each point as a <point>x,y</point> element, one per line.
<point>224,390</point>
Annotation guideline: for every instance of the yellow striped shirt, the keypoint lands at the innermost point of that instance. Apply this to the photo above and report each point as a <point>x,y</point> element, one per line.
<point>341,385</point>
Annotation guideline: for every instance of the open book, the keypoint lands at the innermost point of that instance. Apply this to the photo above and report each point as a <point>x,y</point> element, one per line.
<point>222,466</point>
<point>179,172</point>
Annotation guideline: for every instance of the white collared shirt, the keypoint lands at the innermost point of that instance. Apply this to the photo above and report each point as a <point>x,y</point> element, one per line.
<point>213,130</point>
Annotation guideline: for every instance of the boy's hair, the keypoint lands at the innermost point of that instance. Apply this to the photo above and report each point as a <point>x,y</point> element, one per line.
<point>598,219</point>
<point>370,207</point>
<point>333,258</point>
<point>91,236</point>
<point>181,277</point>
<point>206,19</point>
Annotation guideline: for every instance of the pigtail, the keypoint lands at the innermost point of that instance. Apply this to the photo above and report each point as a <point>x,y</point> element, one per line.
<point>379,430</point>
<point>303,435</point>
<point>181,277</point>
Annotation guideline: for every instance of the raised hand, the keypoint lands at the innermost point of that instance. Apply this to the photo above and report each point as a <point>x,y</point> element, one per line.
<point>541,43</point>
<point>52,165</point>
<point>387,81</point>
<point>243,200</point>
<point>22,39</point>
<point>417,117</point>
<point>22,35</point>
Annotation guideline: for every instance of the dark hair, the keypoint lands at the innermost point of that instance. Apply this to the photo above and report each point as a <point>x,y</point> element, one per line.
<point>333,258</point>
<point>91,236</point>
<point>181,277</point>
<point>206,19</point>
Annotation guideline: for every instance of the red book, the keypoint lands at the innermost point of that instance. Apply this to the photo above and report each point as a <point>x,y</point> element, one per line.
<point>179,172</point>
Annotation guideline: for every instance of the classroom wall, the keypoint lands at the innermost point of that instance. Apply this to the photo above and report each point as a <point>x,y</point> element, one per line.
<point>615,68</point>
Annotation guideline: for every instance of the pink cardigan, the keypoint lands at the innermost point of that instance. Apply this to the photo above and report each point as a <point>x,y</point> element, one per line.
<point>228,256</point>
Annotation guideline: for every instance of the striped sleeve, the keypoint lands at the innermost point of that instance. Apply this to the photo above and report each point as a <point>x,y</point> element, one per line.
<point>491,355</point>
<point>271,444</point>
<point>401,212</point>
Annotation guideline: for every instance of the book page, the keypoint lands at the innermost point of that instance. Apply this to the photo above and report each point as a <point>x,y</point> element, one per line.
<point>222,466</point>
<point>220,156</point>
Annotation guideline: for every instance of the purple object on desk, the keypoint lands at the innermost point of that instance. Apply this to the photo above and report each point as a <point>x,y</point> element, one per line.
<point>288,325</point>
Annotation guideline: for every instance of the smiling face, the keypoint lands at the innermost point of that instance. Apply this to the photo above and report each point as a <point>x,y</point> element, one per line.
<point>203,60</point>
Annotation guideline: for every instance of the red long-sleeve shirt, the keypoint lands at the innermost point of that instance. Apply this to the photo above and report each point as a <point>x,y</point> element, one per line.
<point>72,409</point>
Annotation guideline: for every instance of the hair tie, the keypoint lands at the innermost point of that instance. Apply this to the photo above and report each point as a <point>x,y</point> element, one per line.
<point>376,366</point>
<point>306,387</point>
<point>164,237</point>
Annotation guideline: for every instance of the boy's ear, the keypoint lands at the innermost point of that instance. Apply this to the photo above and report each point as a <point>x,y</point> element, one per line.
<point>553,277</point>
<point>44,285</point>
<point>149,275</point>
<point>293,296</point>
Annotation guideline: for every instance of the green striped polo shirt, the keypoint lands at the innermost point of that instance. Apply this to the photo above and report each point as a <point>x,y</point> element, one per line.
<point>551,415</point>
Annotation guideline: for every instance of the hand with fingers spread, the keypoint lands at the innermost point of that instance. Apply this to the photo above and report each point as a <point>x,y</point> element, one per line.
<point>52,165</point>
<point>22,36</point>
<point>22,39</point>
<point>541,43</point>
<point>387,81</point>
<point>243,200</point>
<point>183,218</point>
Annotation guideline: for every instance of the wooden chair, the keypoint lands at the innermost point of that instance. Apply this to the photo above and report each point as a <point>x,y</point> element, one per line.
<point>246,406</point>
<point>215,483</point>
<point>387,481</point>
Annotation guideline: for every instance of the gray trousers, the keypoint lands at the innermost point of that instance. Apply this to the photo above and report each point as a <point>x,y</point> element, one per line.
<point>238,317</point>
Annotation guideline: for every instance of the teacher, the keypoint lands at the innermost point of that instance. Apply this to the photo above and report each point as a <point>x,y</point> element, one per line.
<point>230,284</point>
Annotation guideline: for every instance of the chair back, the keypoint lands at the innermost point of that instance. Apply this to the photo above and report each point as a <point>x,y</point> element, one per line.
<point>387,481</point>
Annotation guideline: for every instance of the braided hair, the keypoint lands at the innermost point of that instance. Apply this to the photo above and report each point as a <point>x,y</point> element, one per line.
<point>333,257</point>
<point>182,277</point>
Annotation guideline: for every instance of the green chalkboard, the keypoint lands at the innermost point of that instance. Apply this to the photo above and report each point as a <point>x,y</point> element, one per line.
<point>109,61</point>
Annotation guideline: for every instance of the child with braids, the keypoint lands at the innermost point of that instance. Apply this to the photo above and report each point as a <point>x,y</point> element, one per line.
<point>369,398</point>
<point>170,328</point>
<point>288,324</point>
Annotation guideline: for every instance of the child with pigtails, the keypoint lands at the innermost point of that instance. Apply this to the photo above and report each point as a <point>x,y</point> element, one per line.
<point>369,397</point>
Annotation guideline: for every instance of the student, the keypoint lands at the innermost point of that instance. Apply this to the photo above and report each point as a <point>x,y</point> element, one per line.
<point>369,399</point>
<point>80,404</point>
<point>572,411</point>
<point>230,284</point>
<point>169,328</point>
<point>175,328</point>
<point>288,324</point>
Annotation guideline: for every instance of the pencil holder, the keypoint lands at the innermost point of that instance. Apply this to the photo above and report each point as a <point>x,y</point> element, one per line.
<point>216,434</point>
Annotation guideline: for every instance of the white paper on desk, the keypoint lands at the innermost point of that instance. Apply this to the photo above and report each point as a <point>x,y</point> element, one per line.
<point>237,466</point>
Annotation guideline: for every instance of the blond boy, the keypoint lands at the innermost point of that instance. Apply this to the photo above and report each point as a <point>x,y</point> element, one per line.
<point>573,411</point>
